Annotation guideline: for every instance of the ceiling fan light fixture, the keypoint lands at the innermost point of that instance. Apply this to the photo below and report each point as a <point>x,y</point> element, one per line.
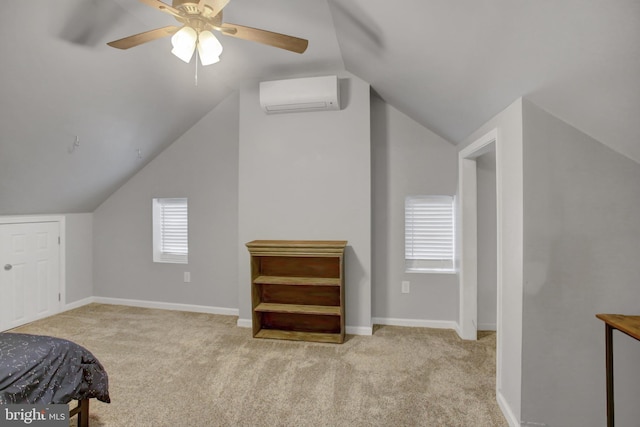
<point>184,43</point>
<point>209,48</point>
<point>197,18</point>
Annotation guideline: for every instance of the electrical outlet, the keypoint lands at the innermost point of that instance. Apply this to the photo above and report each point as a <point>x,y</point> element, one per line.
<point>187,277</point>
<point>405,286</point>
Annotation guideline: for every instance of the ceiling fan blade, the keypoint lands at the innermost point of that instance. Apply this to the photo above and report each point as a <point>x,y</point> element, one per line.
<point>217,6</point>
<point>163,7</point>
<point>282,41</point>
<point>147,36</point>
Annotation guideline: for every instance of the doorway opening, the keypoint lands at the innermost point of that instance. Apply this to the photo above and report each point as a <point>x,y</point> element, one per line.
<point>468,240</point>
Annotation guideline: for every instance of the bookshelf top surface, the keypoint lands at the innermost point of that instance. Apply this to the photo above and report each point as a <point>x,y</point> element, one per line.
<point>298,244</point>
<point>297,247</point>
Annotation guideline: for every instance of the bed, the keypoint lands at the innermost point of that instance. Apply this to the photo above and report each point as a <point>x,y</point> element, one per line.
<point>43,370</point>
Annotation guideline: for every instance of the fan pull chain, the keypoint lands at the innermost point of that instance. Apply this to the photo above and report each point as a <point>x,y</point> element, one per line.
<point>196,78</point>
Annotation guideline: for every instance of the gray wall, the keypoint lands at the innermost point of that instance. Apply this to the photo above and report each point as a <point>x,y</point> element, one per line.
<point>487,241</point>
<point>201,165</point>
<point>582,240</point>
<point>308,176</point>
<point>79,257</point>
<point>407,159</point>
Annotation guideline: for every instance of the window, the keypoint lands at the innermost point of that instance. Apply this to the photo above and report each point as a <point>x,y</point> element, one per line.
<point>170,230</point>
<point>429,234</point>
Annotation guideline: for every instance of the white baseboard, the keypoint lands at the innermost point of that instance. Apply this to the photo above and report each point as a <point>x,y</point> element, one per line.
<point>359,330</point>
<point>487,327</point>
<point>78,304</point>
<point>506,410</point>
<point>167,306</point>
<point>353,330</point>
<point>244,323</point>
<point>418,323</point>
<point>456,328</point>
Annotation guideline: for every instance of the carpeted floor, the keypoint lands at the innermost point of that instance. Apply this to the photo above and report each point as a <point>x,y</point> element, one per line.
<point>171,368</point>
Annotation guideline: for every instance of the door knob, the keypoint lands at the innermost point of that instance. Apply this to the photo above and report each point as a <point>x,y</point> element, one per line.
<point>8,267</point>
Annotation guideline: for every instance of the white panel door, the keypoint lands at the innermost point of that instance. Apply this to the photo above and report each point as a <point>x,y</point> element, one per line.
<point>29,272</point>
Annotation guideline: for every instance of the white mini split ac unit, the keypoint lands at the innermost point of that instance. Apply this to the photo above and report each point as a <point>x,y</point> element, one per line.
<point>295,95</point>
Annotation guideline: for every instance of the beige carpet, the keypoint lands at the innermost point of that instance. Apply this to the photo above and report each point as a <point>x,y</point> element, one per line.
<point>171,368</point>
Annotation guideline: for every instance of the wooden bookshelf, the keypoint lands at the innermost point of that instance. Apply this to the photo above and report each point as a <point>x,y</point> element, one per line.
<point>297,289</point>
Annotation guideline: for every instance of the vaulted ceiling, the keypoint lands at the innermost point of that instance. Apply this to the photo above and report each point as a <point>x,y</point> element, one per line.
<point>449,64</point>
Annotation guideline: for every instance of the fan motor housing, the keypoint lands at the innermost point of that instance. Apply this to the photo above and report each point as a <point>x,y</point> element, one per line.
<point>193,17</point>
<point>191,7</point>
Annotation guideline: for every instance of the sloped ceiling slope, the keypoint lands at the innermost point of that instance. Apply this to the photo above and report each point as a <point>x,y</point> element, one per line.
<point>449,64</point>
<point>452,65</point>
<point>59,80</point>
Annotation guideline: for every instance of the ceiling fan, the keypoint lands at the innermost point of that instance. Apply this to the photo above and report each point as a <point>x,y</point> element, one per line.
<point>198,18</point>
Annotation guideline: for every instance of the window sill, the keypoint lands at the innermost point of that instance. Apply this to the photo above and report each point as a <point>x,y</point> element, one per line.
<point>174,260</point>
<point>430,271</point>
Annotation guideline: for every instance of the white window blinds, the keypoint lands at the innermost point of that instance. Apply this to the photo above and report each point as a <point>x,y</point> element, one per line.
<point>429,233</point>
<point>170,230</point>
